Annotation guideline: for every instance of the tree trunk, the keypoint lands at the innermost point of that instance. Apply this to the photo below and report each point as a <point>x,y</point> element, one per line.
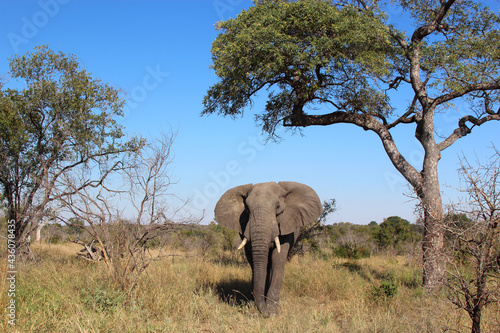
<point>432,244</point>
<point>434,263</point>
<point>476,320</point>
<point>23,250</point>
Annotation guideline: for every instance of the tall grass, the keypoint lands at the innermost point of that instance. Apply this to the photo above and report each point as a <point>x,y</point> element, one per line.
<point>193,293</point>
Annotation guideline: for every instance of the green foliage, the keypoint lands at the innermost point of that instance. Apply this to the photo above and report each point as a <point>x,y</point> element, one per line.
<point>353,241</point>
<point>385,290</point>
<point>337,230</point>
<point>393,231</point>
<point>228,235</point>
<point>55,239</point>
<point>342,240</point>
<point>458,221</point>
<point>214,241</point>
<point>329,207</point>
<point>351,251</point>
<point>60,121</point>
<point>345,56</point>
<point>75,110</point>
<point>464,56</point>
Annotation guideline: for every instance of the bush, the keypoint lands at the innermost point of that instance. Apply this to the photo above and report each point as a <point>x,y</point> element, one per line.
<point>351,251</point>
<point>385,290</point>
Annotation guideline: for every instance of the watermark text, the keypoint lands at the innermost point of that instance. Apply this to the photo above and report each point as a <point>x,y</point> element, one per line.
<point>11,272</point>
<point>31,25</point>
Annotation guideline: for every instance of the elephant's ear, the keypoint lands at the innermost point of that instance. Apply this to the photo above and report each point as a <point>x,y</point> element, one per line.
<point>302,207</point>
<point>230,209</point>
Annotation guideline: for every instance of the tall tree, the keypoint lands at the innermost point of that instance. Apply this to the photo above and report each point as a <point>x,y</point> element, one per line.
<point>54,119</point>
<point>346,56</point>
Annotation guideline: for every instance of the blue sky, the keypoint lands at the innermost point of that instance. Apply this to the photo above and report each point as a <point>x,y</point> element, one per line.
<point>158,52</point>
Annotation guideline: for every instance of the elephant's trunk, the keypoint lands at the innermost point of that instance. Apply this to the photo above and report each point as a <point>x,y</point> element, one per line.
<point>263,233</point>
<point>260,261</point>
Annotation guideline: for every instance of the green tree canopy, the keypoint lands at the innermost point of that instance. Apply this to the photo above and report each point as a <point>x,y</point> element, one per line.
<point>305,52</point>
<point>59,119</point>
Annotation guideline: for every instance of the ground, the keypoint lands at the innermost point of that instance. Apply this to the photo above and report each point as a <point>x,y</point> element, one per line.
<point>189,292</point>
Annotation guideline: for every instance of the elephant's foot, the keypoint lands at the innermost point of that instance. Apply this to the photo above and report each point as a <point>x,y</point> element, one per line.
<point>273,307</point>
<point>262,307</point>
<point>269,308</point>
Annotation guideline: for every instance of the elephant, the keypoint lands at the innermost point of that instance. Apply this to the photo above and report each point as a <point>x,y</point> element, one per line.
<point>268,217</point>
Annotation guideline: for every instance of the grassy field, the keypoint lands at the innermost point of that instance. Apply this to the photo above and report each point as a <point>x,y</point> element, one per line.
<point>195,293</point>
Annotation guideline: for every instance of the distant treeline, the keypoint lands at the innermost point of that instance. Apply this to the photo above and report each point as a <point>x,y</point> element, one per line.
<point>343,239</point>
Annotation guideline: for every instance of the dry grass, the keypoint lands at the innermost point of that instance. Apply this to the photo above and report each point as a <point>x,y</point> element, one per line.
<point>63,293</point>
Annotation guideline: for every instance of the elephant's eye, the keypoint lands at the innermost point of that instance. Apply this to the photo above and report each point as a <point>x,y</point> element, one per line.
<point>279,208</point>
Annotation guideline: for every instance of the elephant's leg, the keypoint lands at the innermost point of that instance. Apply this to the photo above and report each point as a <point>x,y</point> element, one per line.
<point>276,273</point>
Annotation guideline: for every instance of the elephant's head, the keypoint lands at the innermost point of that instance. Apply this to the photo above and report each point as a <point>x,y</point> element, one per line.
<point>263,214</point>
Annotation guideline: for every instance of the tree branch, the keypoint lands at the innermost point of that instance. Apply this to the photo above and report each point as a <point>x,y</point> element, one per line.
<point>415,56</point>
<point>463,129</point>
<point>469,89</point>
<point>424,31</point>
<point>406,119</point>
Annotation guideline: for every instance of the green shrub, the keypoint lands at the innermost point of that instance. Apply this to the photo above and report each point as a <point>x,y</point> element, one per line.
<point>103,298</point>
<point>385,290</point>
<point>350,251</point>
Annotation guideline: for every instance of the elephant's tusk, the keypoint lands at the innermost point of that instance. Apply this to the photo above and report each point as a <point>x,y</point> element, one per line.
<point>278,246</point>
<point>243,242</point>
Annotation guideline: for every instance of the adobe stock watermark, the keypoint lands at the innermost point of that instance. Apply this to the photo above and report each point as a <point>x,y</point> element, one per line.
<point>223,7</point>
<point>445,123</point>
<point>11,272</point>
<point>393,13</point>
<point>152,80</point>
<point>394,179</point>
<point>31,25</point>
<point>248,151</point>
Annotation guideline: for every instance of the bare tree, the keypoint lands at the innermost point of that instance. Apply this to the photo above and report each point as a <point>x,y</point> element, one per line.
<point>123,236</point>
<point>473,236</point>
